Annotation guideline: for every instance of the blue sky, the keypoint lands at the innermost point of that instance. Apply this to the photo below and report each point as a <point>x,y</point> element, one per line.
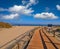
<point>30,11</point>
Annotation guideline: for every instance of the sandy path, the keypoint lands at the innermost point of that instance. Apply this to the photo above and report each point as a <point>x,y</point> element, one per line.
<point>7,35</point>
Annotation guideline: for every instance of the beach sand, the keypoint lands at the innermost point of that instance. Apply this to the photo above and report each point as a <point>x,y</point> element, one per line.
<point>8,34</point>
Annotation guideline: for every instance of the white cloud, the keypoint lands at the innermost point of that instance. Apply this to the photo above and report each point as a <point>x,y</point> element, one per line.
<point>16,8</point>
<point>27,11</point>
<point>21,10</point>
<point>58,7</point>
<point>45,15</point>
<point>11,16</point>
<point>32,2</point>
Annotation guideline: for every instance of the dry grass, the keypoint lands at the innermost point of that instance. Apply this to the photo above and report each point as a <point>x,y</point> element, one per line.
<point>5,25</point>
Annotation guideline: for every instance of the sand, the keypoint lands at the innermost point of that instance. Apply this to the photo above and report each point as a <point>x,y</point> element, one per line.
<point>9,34</point>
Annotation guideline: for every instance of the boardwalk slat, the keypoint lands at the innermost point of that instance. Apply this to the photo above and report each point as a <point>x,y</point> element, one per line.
<point>35,42</point>
<point>42,40</point>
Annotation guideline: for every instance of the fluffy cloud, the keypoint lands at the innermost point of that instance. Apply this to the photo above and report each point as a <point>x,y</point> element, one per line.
<point>25,9</point>
<point>11,16</point>
<point>58,7</point>
<point>21,10</point>
<point>45,15</point>
<point>32,2</point>
<point>16,8</point>
<point>28,11</point>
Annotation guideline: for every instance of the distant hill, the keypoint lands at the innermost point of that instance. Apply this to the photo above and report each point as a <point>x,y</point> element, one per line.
<point>5,25</point>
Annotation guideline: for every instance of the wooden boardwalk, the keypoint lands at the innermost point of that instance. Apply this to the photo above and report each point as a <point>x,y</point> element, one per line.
<point>43,40</point>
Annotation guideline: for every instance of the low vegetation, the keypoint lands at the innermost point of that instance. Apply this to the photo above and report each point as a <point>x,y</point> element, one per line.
<point>58,29</point>
<point>5,25</point>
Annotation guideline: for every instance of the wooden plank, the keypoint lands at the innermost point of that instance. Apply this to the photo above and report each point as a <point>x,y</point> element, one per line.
<point>35,42</point>
<point>53,39</point>
<point>47,42</point>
